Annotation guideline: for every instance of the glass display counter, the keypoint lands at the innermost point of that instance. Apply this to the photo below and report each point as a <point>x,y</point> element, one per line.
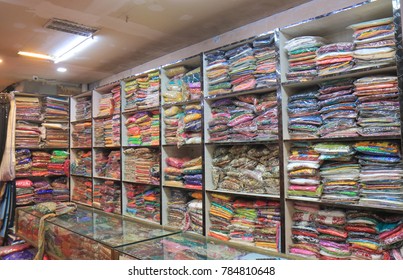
<point>184,246</point>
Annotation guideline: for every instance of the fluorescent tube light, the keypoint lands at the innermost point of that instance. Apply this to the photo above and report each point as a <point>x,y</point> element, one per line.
<point>61,69</point>
<point>74,50</point>
<point>36,55</point>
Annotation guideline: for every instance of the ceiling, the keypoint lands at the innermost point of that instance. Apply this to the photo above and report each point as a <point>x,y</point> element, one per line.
<point>131,32</point>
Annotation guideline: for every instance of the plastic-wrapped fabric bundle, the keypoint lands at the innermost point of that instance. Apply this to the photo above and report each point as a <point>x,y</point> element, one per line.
<point>193,173</point>
<point>338,109</point>
<point>82,134</point>
<point>58,163</point>
<point>242,65</point>
<point>107,196</point>
<point>112,166</point>
<point>116,99</point>
<point>183,172</point>
<point>302,57</point>
<point>174,90</point>
<point>56,135</point>
<point>378,106</point>
<point>381,173</point>
<point>56,109</point>
<point>374,43</point>
<point>23,162</point>
<point>334,58</point>
<point>143,92</point>
<point>111,131</point>
<point>82,164</point>
<point>142,165</point>
<point>177,208</point>
<point>304,233</point>
<point>251,169</point>
<point>61,190</point>
<point>195,215</point>
<point>24,192</point>
<point>190,131</point>
<point>82,190</point>
<point>106,105</point>
<point>99,133</point>
<point>221,213</point>
<point>217,71</point>
<point>40,164</point>
<point>83,108</point>
<point>172,118</point>
<point>143,129</point>
<point>192,84</point>
<point>303,171</point>
<point>265,54</point>
<point>28,108</point>
<point>27,134</point>
<point>101,158</point>
<point>304,115</point>
<point>143,201</point>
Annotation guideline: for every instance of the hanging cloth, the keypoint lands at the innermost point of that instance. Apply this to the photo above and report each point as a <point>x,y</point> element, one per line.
<point>7,136</point>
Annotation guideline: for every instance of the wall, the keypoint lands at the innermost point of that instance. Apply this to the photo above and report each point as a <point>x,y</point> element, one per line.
<point>311,9</point>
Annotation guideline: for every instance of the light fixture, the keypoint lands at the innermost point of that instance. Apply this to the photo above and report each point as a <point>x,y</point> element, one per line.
<point>61,69</point>
<point>74,49</point>
<point>1,61</point>
<point>36,55</point>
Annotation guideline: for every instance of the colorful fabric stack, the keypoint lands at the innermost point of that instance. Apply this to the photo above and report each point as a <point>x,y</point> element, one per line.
<point>28,108</point>
<point>339,173</point>
<point>142,165</point>
<point>116,99</point>
<point>374,42</point>
<point>27,134</point>
<point>304,115</point>
<point>244,118</point>
<point>43,191</point>
<point>305,235</point>
<point>193,173</point>
<point>99,133</point>
<point>61,190</point>
<point>101,159</point>
<point>57,165</point>
<point>177,208</point>
<point>333,243</point>
<point>303,171</point>
<point>143,129</point>
<point>378,105</point>
<point>242,65</point>
<point>302,57</point>
<point>57,135</point>
<point>112,131</point>
<point>192,84</point>
<point>172,118</point>
<point>107,196</point>
<point>82,190</point>
<point>334,58</point>
<point>131,88</point>
<point>56,109</point>
<point>390,229</point>
<point>143,201</point>
<point>23,163</point>
<point>40,164</point>
<point>221,213</point>
<point>106,105</point>
<point>250,169</point>
<point>217,71</point>
<point>195,213</point>
<point>24,192</point>
<point>83,108</point>
<point>112,166</point>
<point>265,54</point>
<point>192,124</point>
<point>173,173</point>
<point>82,134</point>
<point>381,173</point>
<point>338,109</point>
<point>174,88</point>
<point>143,93</point>
<point>267,232</point>
<point>82,164</point>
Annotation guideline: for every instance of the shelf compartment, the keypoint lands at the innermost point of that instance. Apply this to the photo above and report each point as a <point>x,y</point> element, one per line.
<point>81,189</point>
<point>141,165</point>
<point>270,196</point>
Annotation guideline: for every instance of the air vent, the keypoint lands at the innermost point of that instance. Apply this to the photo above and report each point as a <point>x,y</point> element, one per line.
<point>70,27</point>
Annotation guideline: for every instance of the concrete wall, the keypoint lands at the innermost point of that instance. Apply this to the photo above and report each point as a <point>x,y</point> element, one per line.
<point>311,9</point>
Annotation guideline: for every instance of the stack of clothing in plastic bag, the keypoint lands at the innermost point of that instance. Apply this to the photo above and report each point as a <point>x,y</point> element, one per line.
<point>374,42</point>
<point>192,124</point>
<point>57,135</point>
<point>107,196</point>
<point>82,134</point>
<point>82,164</point>
<point>333,242</point>
<point>221,213</point>
<point>147,92</point>
<point>242,65</point>
<point>192,84</point>
<point>304,115</point>
<point>174,87</point>
<point>43,191</point>
<point>177,208</point>
<point>106,105</point>
<point>267,232</point>
<point>57,165</point>
<point>217,71</point>
<point>338,109</point>
<point>99,133</point>
<point>173,173</point>
<point>28,108</point>
<point>82,190</point>
<point>111,128</point>
<point>381,173</point>
<point>61,190</point>
<point>56,109</point>
<point>23,163</point>
<point>116,99</point>
<point>378,105</point>
<point>24,192</point>
<point>339,172</point>
<point>112,166</point>
<point>334,58</point>
<point>251,169</point>
<point>101,158</point>
<point>266,120</point>
<point>302,57</point>
<point>143,129</point>
<point>193,173</point>
<point>390,230</point>
<point>27,134</point>
<point>303,171</point>
<point>83,108</point>
<point>305,236</point>
<point>142,165</point>
<point>143,201</point>
<point>195,213</point>
<point>130,89</point>
<point>172,120</point>
<point>40,162</point>
<point>265,54</point>
<point>243,222</point>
